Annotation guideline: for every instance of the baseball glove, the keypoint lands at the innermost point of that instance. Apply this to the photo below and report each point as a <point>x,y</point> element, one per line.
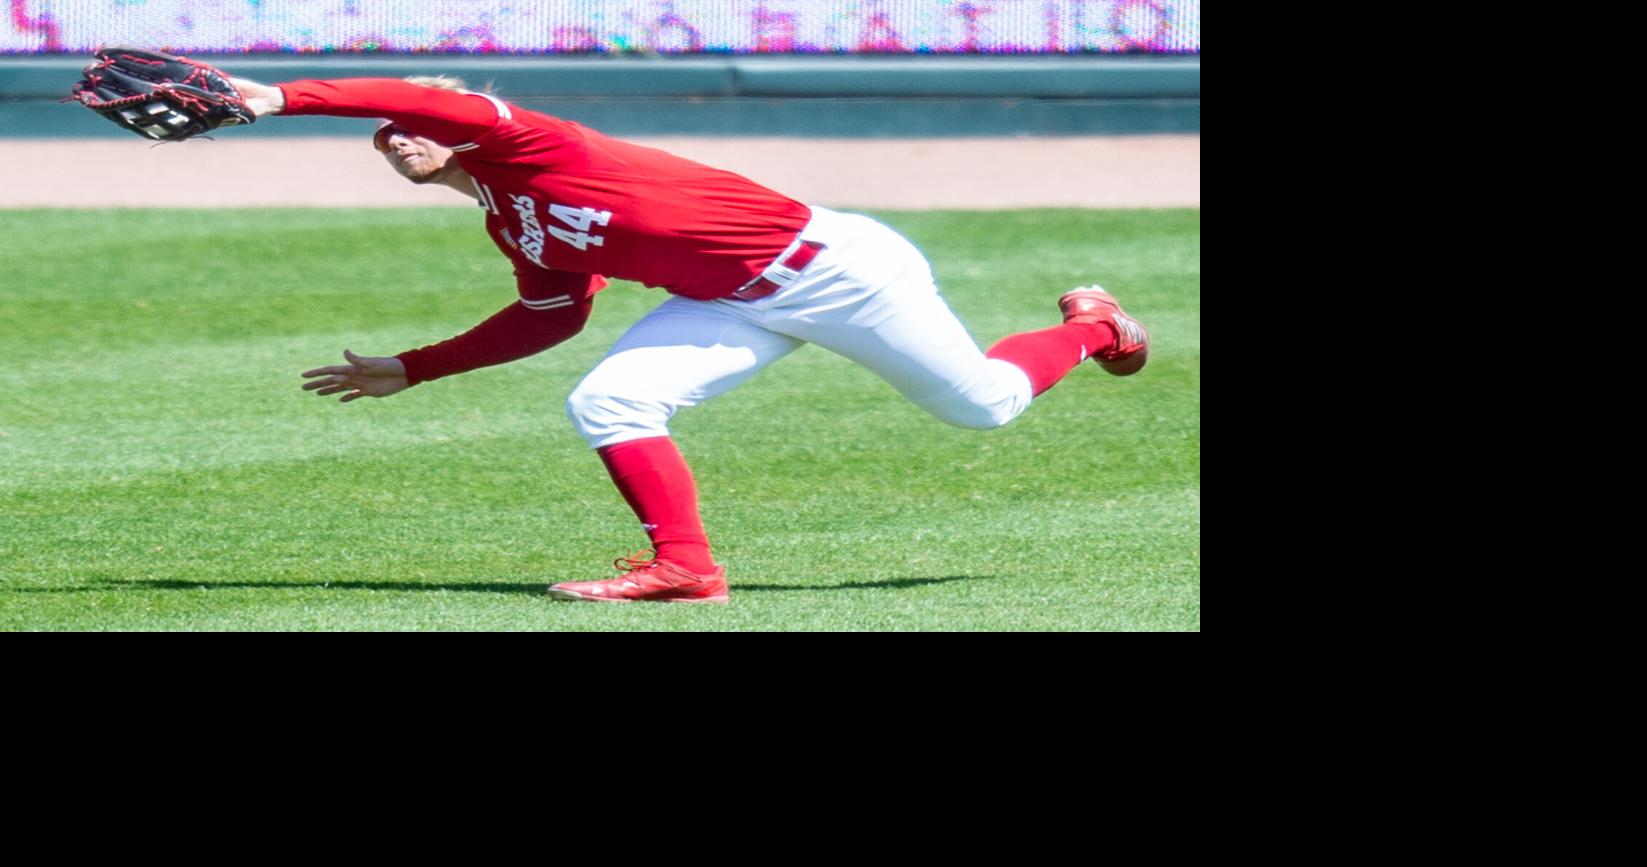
<point>160,96</point>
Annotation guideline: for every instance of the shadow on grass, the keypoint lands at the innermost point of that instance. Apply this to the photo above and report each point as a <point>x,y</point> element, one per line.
<point>539,588</point>
<point>888,584</point>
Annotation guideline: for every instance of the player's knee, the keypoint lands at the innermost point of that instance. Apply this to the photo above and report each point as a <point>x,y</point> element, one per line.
<point>998,394</point>
<point>603,418</point>
<point>976,416</point>
<point>974,411</point>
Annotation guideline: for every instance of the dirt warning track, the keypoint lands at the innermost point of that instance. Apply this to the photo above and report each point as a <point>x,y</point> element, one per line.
<point>959,174</point>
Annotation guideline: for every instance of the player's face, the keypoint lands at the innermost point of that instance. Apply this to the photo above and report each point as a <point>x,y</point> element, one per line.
<point>415,158</point>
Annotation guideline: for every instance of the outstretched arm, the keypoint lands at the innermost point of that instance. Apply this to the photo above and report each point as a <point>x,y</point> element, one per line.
<point>554,306</point>
<point>513,333</point>
<point>446,116</point>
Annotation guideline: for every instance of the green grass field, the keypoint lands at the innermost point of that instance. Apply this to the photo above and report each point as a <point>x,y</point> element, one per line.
<point>161,470</point>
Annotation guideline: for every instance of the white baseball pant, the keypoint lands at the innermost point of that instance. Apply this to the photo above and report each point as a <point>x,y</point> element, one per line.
<point>868,296</point>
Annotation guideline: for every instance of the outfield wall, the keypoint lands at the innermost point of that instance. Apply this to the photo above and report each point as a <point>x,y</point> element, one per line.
<point>847,97</point>
<point>562,27</point>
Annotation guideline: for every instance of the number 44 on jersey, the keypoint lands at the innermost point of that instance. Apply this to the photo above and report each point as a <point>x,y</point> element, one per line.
<point>580,219</point>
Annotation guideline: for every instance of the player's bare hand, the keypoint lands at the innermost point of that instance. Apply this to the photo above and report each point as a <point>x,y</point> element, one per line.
<point>362,377</point>
<point>260,98</point>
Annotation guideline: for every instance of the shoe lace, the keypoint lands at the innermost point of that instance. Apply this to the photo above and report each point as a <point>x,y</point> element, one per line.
<point>634,563</point>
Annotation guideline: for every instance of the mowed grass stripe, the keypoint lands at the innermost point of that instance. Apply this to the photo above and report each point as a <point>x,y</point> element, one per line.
<point>159,468</point>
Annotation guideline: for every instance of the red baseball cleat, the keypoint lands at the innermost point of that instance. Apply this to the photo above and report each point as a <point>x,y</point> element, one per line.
<point>647,581</point>
<point>1093,304</point>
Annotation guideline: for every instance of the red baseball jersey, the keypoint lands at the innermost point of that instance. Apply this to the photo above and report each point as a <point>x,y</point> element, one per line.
<point>560,196</point>
<point>567,204</point>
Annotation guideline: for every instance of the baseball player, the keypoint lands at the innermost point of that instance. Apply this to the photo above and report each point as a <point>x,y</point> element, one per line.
<point>753,275</point>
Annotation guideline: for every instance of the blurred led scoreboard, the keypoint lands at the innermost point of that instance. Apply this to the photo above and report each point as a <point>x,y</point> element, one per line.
<point>609,26</point>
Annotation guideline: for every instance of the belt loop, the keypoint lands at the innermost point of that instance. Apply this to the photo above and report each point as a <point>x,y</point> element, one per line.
<point>784,270</point>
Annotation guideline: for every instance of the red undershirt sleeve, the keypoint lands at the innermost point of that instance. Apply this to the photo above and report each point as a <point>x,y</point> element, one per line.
<point>446,116</point>
<point>513,333</point>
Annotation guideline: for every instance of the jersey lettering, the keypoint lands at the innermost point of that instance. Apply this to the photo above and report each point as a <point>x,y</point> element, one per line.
<point>531,242</point>
<point>580,219</point>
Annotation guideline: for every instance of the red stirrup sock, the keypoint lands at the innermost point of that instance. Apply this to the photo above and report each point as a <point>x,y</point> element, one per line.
<point>1046,355</point>
<point>654,478</point>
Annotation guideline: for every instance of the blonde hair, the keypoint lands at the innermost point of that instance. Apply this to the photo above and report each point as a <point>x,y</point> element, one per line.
<point>447,82</point>
<point>443,82</point>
